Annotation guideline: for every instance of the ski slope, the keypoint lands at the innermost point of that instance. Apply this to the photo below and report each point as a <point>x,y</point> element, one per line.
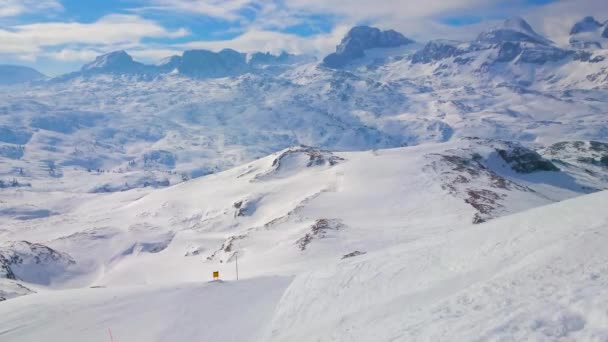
<point>281,214</point>
<point>537,275</point>
<point>385,245</point>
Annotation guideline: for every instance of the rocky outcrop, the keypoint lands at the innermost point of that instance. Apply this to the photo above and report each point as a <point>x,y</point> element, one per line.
<point>359,39</point>
<point>296,159</point>
<point>32,262</point>
<point>587,24</point>
<point>319,230</point>
<point>523,160</point>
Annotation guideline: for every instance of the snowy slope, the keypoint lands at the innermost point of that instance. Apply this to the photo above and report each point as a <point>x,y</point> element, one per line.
<point>536,275</point>
<point>280,214</point>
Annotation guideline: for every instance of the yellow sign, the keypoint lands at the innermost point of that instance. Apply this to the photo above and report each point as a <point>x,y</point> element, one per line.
<point>216,274</point>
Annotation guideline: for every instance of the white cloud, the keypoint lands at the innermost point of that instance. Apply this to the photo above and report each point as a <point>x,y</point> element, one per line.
<point>275,42</point>
<point>555,20</point>
<point>12,8</point>
<point>109,30</point>
<point>153,55</point>
<point>70,55</point>
<point>406,9</point>
<point>224,9</point>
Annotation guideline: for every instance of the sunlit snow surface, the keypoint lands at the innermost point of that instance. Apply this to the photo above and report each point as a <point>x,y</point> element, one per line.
<point>361,246</point>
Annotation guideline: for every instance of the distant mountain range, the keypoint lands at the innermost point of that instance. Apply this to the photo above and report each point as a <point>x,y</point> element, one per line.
<point>204,111</point>
<point>15,74</point>
<point>514,37</point>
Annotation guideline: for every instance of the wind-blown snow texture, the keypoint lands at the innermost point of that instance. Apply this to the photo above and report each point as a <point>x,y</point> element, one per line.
<point>438,191</point>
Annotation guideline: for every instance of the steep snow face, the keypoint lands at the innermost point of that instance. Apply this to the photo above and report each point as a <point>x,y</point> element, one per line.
<point>14,74</point>
<point>362,38</point>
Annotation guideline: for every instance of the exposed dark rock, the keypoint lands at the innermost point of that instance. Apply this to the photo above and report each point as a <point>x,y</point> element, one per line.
<point>5,270</point>
<point>508,52</point>
<point>587,24</point>
<point>318,231</point>
<point>586,56</point>
<point>523,160</point>
<point>353,254</point>
<point>436,50</point>
<point>209,64</point>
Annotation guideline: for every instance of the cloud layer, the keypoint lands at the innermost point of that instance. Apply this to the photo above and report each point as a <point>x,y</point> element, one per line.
<point>12,8</point>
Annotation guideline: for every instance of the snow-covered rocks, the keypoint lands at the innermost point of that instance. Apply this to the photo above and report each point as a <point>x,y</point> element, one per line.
<point>11,289</point>
<point>296,159</point>
<point>118,62</point>
<point>589,33</point>
<point>361,38</point>
<point>321,229</point>
<point>33,263</point>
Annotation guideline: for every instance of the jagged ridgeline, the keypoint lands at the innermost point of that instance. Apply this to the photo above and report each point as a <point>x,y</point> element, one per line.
<point>202,111</point>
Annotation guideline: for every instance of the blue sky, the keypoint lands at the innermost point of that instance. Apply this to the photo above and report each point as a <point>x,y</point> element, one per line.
<point>58,36</point>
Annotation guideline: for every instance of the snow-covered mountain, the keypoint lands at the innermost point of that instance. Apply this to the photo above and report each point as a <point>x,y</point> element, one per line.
<point>327,227</point>
<point>393,191</point>
<point>515,30</point>
<point>202,112</point>
<point>362,38</point>
<point>589,33</point>
<point>15,74</point>
<point>196,64</point>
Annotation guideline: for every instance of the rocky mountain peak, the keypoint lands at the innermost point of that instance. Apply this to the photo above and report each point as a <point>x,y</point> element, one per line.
<point>119,60</point>
<point>515,30</point>
<point>587,24</point>
<point>361,38</point>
